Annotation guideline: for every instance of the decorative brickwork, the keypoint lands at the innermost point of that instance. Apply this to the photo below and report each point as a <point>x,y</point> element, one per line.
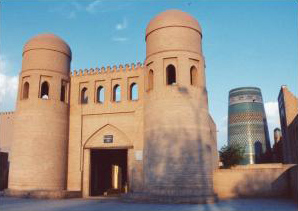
<point>154,115</point>
<point>247,124</point>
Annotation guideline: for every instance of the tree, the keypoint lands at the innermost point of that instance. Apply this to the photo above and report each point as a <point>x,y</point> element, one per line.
<point>231,155</point>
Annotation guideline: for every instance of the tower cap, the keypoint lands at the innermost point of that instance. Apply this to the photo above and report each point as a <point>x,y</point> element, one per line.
<point>172,18</point>
<point>49,42</point>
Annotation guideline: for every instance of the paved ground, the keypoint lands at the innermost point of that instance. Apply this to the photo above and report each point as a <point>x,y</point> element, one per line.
<point>16,204</point>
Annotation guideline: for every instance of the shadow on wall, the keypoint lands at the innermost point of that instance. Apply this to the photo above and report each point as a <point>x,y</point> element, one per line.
<point>294,183</point>
<point>253,181</point>
<point>264,184</point>
<point>267,140</point>
<point>293,141</point>
<point>181,165</point>
<point>262,155</point>
<point>258,151</point>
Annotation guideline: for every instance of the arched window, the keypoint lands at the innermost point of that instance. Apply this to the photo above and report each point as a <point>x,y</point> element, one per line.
<point>84,96</point>
<point>193,76</point>
<point>44,92</point>
<point>100,94</point>
<point>25,91</point>
<point>171,75</point>
<point>134,92</point>
<point>150,80</point>
<point>117,93</point>
<point>63,93</point>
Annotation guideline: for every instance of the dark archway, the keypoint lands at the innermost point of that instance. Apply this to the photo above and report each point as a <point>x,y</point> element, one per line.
<point>108,171</point>
<point>63,93</point>
<point>25,91</point>
<point>193,76</point>
<point>84,96</point>
<point>171,75</point>
<point>44,92</point>
<point>150,80</point>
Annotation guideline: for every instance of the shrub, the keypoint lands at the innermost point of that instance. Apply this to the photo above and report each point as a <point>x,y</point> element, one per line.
<point>231,155</point>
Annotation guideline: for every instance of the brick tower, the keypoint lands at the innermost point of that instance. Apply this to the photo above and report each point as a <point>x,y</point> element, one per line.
<point>177,146</point>
<point>39,151</point>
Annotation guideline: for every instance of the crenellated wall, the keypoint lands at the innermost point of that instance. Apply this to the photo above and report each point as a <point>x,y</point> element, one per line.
<point>90,121</point>
<point>108,69</point>
<point>157,113</point>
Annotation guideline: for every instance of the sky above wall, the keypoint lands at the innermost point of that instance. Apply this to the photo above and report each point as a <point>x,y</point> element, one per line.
<point>244,43</point>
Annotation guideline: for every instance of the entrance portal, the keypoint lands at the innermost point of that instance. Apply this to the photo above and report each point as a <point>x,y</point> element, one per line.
<point>108,171</point>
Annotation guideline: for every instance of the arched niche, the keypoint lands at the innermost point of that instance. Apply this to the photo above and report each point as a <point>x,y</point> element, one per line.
<point>96,140</point>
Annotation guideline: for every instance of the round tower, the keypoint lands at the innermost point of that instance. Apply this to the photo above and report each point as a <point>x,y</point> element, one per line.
<point>39,150</point>
<point>178,135</point>
<point>247,124</point>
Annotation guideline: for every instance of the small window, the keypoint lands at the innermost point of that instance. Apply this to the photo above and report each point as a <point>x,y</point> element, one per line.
<point>117,93</point>
<point>171,75</point>
<point>25,91</point>
<point>63,93</point>
<point>150,80</point>
<point>100,94</point>
<point>84,96</point>
<point>44,92</point>
<point>193,76</point>
<point>134,93</point>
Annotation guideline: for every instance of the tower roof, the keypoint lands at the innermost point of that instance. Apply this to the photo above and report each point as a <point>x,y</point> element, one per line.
<point>245,88</point>
<point>49,42</point>
<point>173,18</point>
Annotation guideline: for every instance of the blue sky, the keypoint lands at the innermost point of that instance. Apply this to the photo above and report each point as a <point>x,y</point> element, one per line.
<point>244,43</point>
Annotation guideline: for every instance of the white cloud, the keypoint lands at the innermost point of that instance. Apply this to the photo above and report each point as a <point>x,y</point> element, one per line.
<point>72,15</point>
<point>8,85</point>
<point>68,11</point>
<point>3,64</point>
<point>77,6</point>
<point>272,114</point>
<point>222,129</point>
<point>71,10</point>
<point>121,26</point>
<point>120,39</point>
<point>93,6</point>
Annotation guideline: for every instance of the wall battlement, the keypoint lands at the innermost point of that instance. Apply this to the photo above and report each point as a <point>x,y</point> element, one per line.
<point>108,69</point>
<point>6,113</point>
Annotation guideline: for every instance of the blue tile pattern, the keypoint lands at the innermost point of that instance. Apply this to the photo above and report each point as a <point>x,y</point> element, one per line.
<point>247,124</point>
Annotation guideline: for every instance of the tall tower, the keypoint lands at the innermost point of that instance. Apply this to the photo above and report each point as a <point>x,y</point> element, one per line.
<point>178,146</point>
<point>247,124</point>
<point>39,151</point>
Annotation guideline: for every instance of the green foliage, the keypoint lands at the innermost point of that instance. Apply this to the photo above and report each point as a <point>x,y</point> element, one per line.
<point>231,155</point>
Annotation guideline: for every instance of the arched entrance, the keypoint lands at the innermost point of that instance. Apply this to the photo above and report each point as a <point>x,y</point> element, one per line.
<point>105,171</point>
<point>108,172</point>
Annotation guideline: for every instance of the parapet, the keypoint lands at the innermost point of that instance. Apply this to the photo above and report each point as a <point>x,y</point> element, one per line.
<point>6,113</point>
<point>108,69</point>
